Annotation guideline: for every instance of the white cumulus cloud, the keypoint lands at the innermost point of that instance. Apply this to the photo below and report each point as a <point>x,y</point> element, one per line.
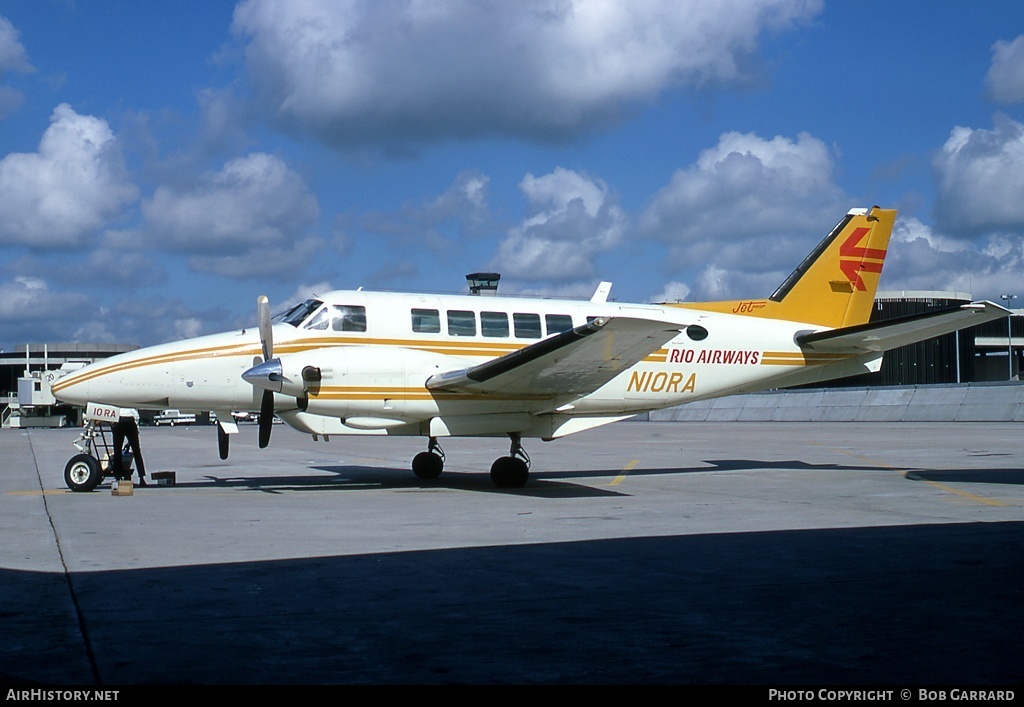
<point>253,217</point>
<point>1005,76</point>
<point>75,183</point>
<point>672,292</point>
<point>747,201</point>
<point>12,58</point>
<point>12,52</point>
<point>31,310</point>
<point>573,219</point>
<point>922,258</point>
<point>408,71</point>
<point>980,179</point>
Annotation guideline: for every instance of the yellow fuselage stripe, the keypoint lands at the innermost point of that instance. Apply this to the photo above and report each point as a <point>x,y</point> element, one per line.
<point>473,349</point>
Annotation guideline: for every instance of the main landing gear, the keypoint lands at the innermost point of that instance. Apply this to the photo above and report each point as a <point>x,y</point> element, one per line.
<point>429,464</point>
<point>512,471</point>
<point>506,472</point>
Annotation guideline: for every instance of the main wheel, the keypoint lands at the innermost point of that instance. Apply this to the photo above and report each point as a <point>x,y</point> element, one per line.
<point>509,472</point>
<point>427,465</point>
<point>82,473</point>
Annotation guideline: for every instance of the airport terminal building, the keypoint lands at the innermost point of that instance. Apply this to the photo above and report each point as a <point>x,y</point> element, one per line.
<point>986,353</point>
<point>25,375</point>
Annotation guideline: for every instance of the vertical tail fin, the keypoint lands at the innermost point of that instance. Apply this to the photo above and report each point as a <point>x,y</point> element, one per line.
<point>835,285</point>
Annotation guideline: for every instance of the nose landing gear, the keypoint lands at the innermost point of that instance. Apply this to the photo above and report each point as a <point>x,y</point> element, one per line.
<point>85,471</point>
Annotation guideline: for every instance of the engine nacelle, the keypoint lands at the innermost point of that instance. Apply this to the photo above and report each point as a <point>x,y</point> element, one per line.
<point>357,382</point>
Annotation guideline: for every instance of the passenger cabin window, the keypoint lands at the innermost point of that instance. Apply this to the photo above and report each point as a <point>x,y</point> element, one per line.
<point>426,321</point>
<point>348,317</point>
<point>461,323</point>
<point>527,326</point>
<point>557,323</point>
<point>494,324</point>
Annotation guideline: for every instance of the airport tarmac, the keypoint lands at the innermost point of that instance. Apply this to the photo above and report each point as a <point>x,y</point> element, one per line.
<point>710,553</point>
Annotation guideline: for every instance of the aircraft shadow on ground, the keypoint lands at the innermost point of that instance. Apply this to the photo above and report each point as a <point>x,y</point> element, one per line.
<point>546,482</point>
<point>356,478</point>
<point>973,476</point>
<point>929,604</point>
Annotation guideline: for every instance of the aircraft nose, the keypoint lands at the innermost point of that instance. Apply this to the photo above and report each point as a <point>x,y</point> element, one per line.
<point>72,388</point>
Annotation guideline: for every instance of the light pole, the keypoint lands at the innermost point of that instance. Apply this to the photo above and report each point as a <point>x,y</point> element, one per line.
<point>1009,333</point>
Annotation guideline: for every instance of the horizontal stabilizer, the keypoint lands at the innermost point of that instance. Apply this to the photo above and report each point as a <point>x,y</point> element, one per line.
<point>576,362</point>
<point>892,333</point>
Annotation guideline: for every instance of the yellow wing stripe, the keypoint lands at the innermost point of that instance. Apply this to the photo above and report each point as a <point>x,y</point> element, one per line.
<point>370,392</point>
<point>799,358</point>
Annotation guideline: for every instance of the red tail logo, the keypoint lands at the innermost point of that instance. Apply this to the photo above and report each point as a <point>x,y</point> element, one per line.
<point>855,259</point>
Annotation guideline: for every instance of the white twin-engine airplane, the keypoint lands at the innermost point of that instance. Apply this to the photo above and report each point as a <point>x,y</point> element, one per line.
<point>355,362</point>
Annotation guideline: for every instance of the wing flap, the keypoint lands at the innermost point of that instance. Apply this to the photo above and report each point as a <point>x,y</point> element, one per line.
<point>892,333</point>
<point>575,362</point>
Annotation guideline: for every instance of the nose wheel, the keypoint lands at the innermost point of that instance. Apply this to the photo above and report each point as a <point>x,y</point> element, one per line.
<point>83,473</point>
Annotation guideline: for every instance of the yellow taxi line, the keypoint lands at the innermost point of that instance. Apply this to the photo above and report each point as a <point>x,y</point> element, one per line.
<point>909,475</point>
<point>625,470</point>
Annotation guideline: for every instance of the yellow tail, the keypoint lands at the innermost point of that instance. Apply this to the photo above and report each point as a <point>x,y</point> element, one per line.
<point>835,285</point>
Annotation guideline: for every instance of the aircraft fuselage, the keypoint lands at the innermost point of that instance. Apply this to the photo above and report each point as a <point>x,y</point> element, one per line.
<point>373,365</point>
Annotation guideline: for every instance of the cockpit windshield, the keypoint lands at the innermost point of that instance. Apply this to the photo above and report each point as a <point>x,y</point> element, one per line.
<point>297,314</point>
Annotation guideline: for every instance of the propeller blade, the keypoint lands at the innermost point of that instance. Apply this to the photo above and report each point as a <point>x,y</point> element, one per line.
<point>266,418</point>
<point>266,330</point>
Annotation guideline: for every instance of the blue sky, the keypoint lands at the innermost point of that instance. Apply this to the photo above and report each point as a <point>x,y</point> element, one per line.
<point>163,164</point>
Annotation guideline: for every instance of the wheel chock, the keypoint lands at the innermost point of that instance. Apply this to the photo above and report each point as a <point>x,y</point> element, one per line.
<point>163,478</point>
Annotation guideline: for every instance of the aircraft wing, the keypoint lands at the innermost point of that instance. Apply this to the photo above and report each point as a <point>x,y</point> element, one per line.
<point>575,362</point>
<point>889,334</point>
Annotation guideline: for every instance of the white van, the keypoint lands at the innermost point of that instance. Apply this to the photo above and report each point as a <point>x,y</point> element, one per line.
<point>174,417</point>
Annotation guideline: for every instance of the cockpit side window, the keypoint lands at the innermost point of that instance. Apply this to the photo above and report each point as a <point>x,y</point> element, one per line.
<point>339,317</point>
<point>321,320</point>
<point>297,314</point>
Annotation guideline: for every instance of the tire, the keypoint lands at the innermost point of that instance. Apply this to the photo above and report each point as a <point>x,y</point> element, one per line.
<point>427,465</point>
<point>509,472</point>
<point>82,473</point>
